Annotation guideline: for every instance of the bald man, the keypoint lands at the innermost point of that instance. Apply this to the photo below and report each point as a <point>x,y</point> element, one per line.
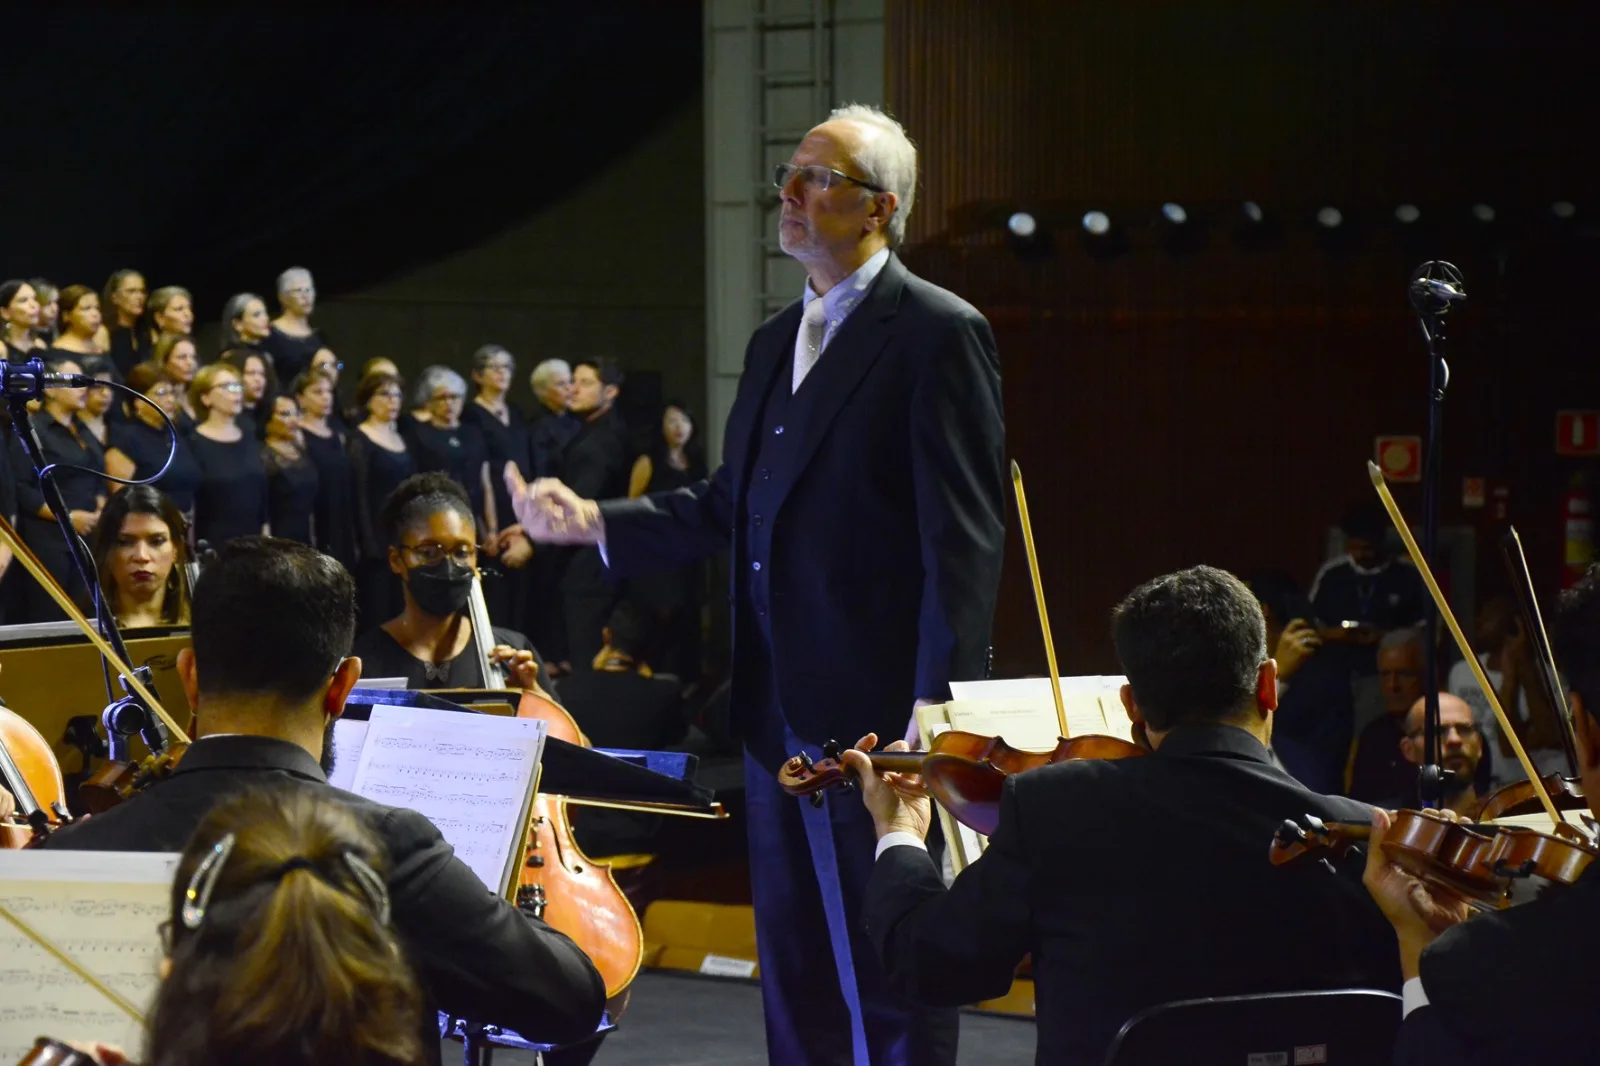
<point>1460,751</point>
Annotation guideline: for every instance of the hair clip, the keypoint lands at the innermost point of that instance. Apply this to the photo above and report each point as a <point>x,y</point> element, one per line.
<point>372,885</point>
<point>198,895</point>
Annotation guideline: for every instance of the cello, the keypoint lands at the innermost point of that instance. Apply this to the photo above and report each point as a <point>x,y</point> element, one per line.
<point>966,772</point>
<point>29,770</point>
<point>559,883</point>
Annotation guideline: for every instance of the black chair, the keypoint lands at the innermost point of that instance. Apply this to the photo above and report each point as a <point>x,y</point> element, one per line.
<point>1340,1027</point>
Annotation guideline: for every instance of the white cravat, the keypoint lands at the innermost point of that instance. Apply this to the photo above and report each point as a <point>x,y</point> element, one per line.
<point>808,342</point>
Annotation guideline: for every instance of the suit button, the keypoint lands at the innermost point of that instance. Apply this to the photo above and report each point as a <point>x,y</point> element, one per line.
<point>778,432</point>
<point>766,475</point>
<point>756,519</point>
<point>756,565</point>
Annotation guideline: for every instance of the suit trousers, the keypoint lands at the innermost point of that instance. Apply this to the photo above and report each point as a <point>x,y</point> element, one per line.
<point>826,999</point>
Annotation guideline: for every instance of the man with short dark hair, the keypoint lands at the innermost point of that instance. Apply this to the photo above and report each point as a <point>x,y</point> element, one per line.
<point>1543,957</point>
<point>1143,880</point>
<point>596,463</point>
<point>267,677</point>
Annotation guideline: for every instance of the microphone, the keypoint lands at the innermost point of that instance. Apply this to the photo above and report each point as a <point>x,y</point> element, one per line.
<point>27,378</point>
<point>1435,285</point>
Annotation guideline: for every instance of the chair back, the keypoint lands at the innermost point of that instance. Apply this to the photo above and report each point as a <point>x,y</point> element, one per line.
<point>1339,1027</point>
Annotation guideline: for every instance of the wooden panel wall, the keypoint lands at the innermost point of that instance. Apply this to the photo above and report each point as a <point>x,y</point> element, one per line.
<point>1219,407</point>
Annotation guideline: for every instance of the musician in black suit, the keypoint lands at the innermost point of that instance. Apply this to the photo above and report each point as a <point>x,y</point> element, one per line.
<point>268,676</point>
<point>1142,880</point>
<point>862,496</point>
<point>1514,985</point>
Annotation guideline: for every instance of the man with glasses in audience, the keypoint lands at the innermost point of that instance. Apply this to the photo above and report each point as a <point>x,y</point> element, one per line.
<point>1461,751</point>
<point>862,498</point>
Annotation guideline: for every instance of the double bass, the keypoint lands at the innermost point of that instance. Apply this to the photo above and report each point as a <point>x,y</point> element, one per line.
<point>559,883</point>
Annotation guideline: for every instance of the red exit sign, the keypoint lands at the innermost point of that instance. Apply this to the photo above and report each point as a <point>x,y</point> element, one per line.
<point>1578,432</point>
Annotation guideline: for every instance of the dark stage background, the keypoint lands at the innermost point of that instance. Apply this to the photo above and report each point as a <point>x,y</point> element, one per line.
<point>1220,406</point>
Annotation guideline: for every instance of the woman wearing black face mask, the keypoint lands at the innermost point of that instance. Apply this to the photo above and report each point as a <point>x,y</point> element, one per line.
<point>433,547</point>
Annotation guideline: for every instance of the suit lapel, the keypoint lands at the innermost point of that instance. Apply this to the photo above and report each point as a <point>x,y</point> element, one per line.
<point>847,359</point>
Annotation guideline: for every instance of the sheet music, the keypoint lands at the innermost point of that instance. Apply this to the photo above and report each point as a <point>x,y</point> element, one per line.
<point>349,735</point>
<point>104,909</point>
<point>471,775</point>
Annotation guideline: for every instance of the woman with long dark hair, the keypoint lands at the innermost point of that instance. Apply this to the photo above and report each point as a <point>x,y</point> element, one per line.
<point>19,310</point>
<point>291,476</point>
<point>140,442</point>
<point>379,461</point>
<point>140,549</point>
<point>244,321</point>
<point>80,322</point>
<point>122,307</point>
<point>260,387</point>
<point>325,443</point>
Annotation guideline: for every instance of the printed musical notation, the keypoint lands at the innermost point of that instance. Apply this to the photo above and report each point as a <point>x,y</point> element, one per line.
<point>450,749</point>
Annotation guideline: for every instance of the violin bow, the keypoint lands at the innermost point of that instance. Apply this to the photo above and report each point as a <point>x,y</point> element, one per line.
<point>72,964</point>
<point>1533,623</point>
<point>1467,653</point>
<point>1038,597</point>
<point>31,563</point>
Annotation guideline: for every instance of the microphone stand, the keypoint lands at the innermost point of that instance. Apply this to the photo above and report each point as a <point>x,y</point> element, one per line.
<point>1434,286</point>
<point>20,382</point>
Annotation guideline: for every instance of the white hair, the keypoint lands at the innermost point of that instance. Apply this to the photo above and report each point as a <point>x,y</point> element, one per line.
<point>432,378</point>
<point>287,279</point>
<point>888,159</point>
<point>540,378</point>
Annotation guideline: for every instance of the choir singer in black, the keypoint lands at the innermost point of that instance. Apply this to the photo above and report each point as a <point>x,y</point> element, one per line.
<point>862,495</point>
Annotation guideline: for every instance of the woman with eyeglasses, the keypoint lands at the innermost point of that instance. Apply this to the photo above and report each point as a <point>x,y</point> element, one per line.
<point>325,442</point>
<point>260,387</point>
<point>176,356</point>
<point>170,310</point>
<point>122,306</point>
<point>140,551</point>
<point>445,444</point>
<point>19,310</point>
<point>505,432</point>
<point>379,461</point>
<point>140,442</point>
<point>433,546</point>
<point>291,475</point>
<point>80,470</point>
<point>232,498</point>
<point>291,339</point>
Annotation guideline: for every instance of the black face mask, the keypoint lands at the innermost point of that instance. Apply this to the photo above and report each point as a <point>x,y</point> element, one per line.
<point>441,589</point>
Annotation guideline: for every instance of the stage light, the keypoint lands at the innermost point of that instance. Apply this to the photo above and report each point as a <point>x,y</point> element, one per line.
<point>1406,214</point>
<point>1028,240</point>
<point>1330,217</point>
<point>1483,213</point>
<point>1179,233</point>
<point>1022,225</point>
<point>1097,223</point>
<point>1565,210</point>
<point>1103,239</point>
<point>1174,213</point>
<point>1253,213</point>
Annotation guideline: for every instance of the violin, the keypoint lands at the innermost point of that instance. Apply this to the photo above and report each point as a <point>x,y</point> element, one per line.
<point>29,770</point>
<point>1475,863</point>
<point>47,1052</point>
<point>117,780</point>
<point>964,772</point>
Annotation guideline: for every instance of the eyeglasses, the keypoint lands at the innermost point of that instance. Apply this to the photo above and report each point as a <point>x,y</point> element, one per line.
<point>818,177</point>
<point>303,290</point>
<point>430,553</point>
<point>231,386</point>
<point>447,396</point>
<point>327,365</point>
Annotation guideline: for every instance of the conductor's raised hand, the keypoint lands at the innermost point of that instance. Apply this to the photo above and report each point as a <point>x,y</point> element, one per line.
<point>551,513</point>
<point>897,802</point>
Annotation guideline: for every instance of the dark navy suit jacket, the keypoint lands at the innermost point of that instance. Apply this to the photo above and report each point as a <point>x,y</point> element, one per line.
<point>885,548</point>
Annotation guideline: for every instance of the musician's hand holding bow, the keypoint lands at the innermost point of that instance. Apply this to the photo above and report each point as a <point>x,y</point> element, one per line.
<point>8,804</point>
<point>1417,913</point>
<point>522,670</point>
<point>897,802</point>
<point>551,513</point>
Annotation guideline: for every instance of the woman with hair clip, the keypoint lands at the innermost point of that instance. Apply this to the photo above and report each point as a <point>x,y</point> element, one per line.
<point>280,951</point>
<point>291,476</point>
<point>140,551</point>
<point>80,322</point>
<point>433,547</point>
<point>140,442</point>
<point>171,310</point>
<point>19,309</point>
<point>379,461</point>
<point>260,386</point>
<point>80,470</point>
<point>335,525</point>
<point>232,498</point>
<point>121,308</point>
<point>176,356</point>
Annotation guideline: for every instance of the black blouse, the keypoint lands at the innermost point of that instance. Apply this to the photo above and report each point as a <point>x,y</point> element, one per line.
<point>232,497</point>
<point>335,529</point>
<point>128,348</point>
<point>505,444</point>
<point>291,355</point>
<point>146,447</point>
<point>459,452</point>
<point>377,472</point>
<point>291,495</point>
<point>382,656</point>
<point>81,490</point>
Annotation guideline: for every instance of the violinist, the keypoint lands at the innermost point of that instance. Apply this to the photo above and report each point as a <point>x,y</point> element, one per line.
<point>1461,752</point>
<point>1137,881</point>
<point>433,546</point>
<point>268,675</point>
<point>1515,985</point>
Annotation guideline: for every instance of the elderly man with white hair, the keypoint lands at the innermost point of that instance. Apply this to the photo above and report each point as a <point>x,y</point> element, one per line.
<point>861,496</point>
<point>292,342</point>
